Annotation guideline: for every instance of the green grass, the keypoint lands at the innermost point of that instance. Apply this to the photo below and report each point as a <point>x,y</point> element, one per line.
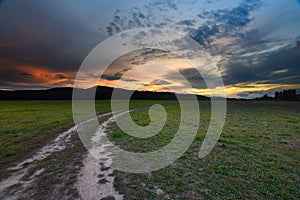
<point>257,156</point>
<point>27,125</point>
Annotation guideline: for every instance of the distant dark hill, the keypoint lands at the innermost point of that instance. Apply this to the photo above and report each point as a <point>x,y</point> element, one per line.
<point>50,94</point>
<point>102,93</point>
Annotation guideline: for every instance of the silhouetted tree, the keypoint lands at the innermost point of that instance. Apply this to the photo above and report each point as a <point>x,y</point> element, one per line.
<point>277,95</point>
<point>286,95</point>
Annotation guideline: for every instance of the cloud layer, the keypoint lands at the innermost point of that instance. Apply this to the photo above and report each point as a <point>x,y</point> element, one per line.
<point>254,45</point>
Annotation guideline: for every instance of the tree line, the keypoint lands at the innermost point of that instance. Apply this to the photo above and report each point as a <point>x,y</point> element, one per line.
<point>286,95</point>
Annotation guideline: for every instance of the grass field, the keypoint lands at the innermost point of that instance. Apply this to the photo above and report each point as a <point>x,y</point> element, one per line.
<point>257,156</point>
<point>27,125</point>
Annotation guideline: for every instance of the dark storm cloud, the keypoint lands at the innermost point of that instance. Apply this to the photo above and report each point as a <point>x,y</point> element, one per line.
<point>26,74</point>
<point>161,82</point>
<point>115,76</point>
<point>146,16</point>
<point>166,4</point>
<point>222,23</point>
<point>297,46</point>
<point>279,67</point>
<point>38,54</point>
<point>36,36</point>
<point>191,75</point>
<point>60,76</point>
<point>9,75</point>
<point>143,56</point>
<point>112,77</point>
<point>129,80</point>
<point>187,22</point>
<point>249,64</point>
<point>217,24</point>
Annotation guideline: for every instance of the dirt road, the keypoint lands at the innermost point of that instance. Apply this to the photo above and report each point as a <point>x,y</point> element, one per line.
<point>63,169</point>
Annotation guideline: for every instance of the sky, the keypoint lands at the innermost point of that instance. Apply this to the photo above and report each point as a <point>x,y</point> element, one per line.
<point>255,44</point>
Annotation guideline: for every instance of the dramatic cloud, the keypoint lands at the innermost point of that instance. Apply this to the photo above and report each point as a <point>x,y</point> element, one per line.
<point>22,77</point>
<point>281,66</point>
<point>255,43</point>
<point>224,23</point>
<point>243,51</point>
<point>35,36</point>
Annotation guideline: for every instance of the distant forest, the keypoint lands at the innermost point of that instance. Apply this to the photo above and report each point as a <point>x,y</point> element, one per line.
<point>285,95</point>
<point>102,93</point>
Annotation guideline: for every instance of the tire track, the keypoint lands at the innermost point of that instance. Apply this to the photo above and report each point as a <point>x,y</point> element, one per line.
<point>96,177</point>
<point>21,178</point>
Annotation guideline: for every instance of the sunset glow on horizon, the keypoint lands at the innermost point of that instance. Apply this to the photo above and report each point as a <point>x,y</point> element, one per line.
<point>255,53</point>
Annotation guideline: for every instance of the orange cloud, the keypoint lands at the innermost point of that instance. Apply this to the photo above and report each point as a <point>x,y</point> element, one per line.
<point>108,83</point>
<point>36,77</point>
<point>45,76</point>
